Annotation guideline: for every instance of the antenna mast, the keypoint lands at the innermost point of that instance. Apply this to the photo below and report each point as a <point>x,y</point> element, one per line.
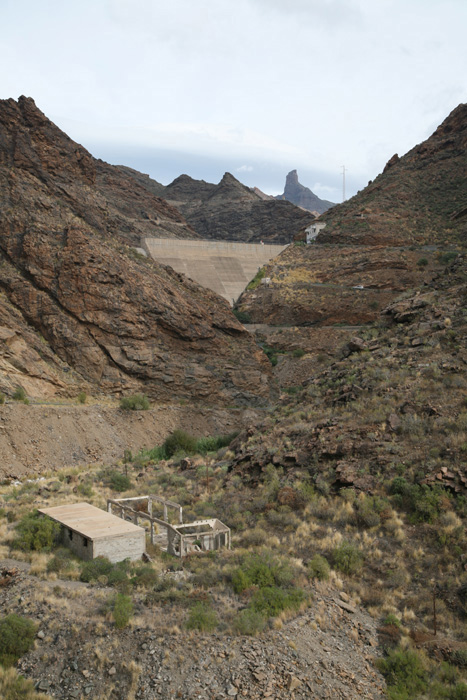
<point>343,182</point>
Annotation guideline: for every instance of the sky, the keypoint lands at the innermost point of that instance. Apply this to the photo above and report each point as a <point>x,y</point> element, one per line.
<point>252,87</point>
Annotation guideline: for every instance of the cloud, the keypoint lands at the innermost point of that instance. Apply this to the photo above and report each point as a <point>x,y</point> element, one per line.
<point>245,169</point>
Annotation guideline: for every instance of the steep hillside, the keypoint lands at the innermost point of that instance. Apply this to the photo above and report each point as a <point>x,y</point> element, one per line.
<point>120,321</point>
<point>396,233</point>
<point>231,211</point>
<point>420,198</point>
<point>302,196</point>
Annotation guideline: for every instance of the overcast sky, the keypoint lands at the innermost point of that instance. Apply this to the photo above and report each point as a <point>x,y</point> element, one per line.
<point>254,87</point>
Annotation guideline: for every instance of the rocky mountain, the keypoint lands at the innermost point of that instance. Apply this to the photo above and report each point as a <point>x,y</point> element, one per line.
<point>231,211</point>
<point>419,198</point>
<point>395,234</point>
<point>302,196</point>
<point>79,306</point>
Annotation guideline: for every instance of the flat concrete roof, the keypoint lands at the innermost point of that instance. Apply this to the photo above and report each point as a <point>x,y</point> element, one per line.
<point>91,522</point>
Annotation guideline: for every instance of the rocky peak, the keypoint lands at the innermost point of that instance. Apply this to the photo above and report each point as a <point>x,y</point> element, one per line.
<point>302,196</point>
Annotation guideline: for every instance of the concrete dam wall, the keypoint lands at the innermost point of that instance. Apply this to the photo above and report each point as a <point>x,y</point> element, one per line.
<point>223,266</point>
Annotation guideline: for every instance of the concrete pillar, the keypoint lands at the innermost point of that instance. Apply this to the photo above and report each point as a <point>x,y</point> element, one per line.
<point>165,513</point>
<point>109,507</point>
<point>180,516</point>
<point>152,532</point>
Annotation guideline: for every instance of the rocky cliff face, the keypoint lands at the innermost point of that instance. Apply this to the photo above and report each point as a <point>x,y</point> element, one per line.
<point>121,322</point>
<point>232,211</point>
<point>302,196</point>
<point>419,198</point>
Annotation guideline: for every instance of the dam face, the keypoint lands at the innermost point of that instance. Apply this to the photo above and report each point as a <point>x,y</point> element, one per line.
<point>225,267</point>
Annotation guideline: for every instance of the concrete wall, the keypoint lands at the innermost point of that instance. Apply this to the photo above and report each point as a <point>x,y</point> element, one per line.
<point>78,544</point>
<point>131,546</point>
<point>223,266</point>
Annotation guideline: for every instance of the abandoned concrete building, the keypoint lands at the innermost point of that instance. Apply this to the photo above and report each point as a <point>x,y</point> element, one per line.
<point>313,229</point>
<point>91,532</point>
<point>177,538</point>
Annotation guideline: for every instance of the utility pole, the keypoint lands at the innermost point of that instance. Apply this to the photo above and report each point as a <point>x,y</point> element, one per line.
<point>343,182</point>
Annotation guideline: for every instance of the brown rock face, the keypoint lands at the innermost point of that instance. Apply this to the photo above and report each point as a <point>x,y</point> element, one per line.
<point>302,196</point>
<point>121,322</point>
<point>231,211</point>
<point>419,198</point>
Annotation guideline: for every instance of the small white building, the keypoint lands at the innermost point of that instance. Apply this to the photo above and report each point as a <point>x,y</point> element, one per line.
<point>313,229</point>
<point>91,532</point>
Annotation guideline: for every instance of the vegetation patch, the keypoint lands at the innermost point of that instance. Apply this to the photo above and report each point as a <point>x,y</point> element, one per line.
<point>16,638</point>
<point>36,532</point>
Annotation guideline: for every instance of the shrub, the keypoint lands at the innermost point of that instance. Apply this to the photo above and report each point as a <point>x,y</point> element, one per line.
<point>2,397</point>
<point>202,618</point>
<point>118,481</point>
<point>404,673</point>
<point>318,567</point>
<point>15,687</point>
<point>299,352</point>
<point>16,638</point>
<point>242,316</point>
<point>448,257</point>
<point>249,622</point>
<point>347,558</point>
<point>256,279</point>
<point>19,394</point>
<point>137,402</point>
<point>145,576</point>
<point>36,532</point>
<point>261,570</point>
<point>92,570</point>
<point>179,441</point>
<point>82,397</point>
<point>61,561</point>
<point>422,262</point>
<point>272,600</point>
<point>122,610</point>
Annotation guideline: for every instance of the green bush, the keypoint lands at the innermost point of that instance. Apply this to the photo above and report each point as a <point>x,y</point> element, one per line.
<point>82,397</point>
<point>179,441</point>
<point>261,570</point>
<point>405,674</point>
<point>15,687</point>
<point>19,394</point>
<point>242,316</point>
<point>318,567</point>
<point>272,600</point>
<point>422,502</point>
<point>122,610</point>
<point>249,622</point>
<point>94,569</point>
<point>2,397</point>
<point>255,282</point>
<point>299,352</point>
<point>422,262</point>
<point>36,532</point>
<point>202,618</point>
<point>61,561</point>
<point>448,257</point>
<point>145,576</point>
<point>118,481</point>
<point>16,638</point>
<point>137,402</point>
<point>347,558</point>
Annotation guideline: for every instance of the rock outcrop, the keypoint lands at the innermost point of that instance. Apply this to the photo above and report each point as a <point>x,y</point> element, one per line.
<point>68,270</point>
<point>231,211</point>
<point>302,196</point>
